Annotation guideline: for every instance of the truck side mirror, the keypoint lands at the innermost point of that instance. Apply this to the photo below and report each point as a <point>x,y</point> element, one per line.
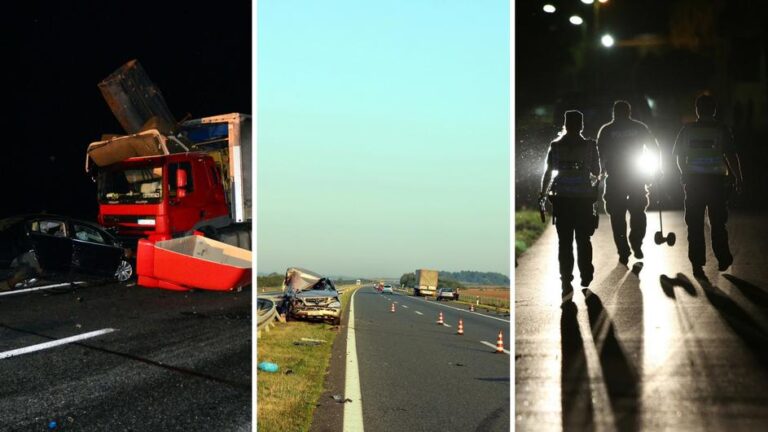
<point>181,183</point>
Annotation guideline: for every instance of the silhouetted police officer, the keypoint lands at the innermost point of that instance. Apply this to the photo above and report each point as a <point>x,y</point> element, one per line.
<point>622,144</point>
<point>573,194</point>
<point>710,170</point>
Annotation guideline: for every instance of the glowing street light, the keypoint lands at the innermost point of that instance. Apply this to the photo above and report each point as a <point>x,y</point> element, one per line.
<point>603,1</point>
<point>576,20</point>
<point>548,8</point>
<point>607,40</point>
<point>587,1</point>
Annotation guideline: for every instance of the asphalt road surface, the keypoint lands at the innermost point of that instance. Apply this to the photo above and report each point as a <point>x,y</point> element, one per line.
<point>650,348</point>
<point>416,375</point>
<point>149,360</point>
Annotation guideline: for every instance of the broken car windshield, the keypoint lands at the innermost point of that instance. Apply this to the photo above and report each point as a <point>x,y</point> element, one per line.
<point>131,185</point>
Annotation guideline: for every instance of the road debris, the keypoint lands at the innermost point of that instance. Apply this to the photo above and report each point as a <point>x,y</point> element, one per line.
<point>341,399</point>
<point>268,366</point>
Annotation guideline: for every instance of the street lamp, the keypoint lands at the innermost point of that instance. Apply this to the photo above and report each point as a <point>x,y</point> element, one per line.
<point>607,40</point>
<point>587,1</point>
<point>603,1</point>
<point>576,20</point>
<point>548,8</point>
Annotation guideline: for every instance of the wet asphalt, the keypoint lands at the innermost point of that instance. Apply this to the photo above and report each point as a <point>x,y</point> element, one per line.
<point>649,346</point>
<point>419,376</point>
<point>175,360</point>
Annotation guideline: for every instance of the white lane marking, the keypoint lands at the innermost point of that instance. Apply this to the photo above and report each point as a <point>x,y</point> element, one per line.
<point>461,310</point>
<point>447,325</point>
<point>404,306</point>
<point>419,313</point>
<point>492,346</point>
<point>353,411</point>
<point>54,343</point>
<point>44,287</point>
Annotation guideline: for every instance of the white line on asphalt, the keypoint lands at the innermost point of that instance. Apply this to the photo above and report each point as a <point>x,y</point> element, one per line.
<point>405,306</point>
<point>493,346</point>
<point>54,343</point>
<point>353,411</point>
<point>44,287</point>
<point>419,313</point>
<point>463,310</point>
<point>447,325</point>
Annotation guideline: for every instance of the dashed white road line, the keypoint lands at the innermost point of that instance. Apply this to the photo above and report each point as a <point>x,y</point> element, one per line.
<point>458,309</point>
<point>419,313</point>
<point>54,343</point>
<point>353,411</point>
<point>404,306</point>
<point>44,287</point>
<point>493,346</point>
<point>446,325</point>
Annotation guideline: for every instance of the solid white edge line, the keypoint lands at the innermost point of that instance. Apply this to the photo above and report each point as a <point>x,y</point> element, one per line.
<point>44,287</point>
<point>493,346</point>
<point>54,343</point>
<point>353,411</point>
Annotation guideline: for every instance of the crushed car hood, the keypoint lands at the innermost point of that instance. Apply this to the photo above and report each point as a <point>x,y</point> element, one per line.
<point>317,293</point>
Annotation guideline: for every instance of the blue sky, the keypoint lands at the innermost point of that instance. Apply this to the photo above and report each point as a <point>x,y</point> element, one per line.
<point>383,136</point>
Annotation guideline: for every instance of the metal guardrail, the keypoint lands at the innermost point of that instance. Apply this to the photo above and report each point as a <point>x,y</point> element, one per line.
<point>267,313</point>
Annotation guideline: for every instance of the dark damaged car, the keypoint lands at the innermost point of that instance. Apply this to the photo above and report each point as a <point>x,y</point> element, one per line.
<point>39,244</point>
<point>310,296</point>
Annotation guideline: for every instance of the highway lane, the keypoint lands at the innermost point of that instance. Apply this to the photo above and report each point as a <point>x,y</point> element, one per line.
<point>419,376</point>
<point>175,360</point>
<point>647,348</point>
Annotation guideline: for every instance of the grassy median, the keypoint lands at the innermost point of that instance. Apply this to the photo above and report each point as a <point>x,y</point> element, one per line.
<point>286,399</point>
<point>528,228</point>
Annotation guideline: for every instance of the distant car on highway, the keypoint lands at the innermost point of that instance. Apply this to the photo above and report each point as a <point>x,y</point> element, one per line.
<point>387,289</point>
<point>36,244</point>
<point>447,294</point>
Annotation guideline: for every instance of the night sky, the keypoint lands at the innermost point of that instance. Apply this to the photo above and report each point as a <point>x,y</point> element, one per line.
<point>55,54</point>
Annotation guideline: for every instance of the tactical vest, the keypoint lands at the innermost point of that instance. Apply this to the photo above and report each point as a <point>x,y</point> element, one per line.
<point>571,160</point>
<point>705,150</point>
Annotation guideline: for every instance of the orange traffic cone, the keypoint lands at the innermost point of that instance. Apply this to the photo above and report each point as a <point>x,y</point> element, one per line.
<point>440,319</point>
<point>460,331</point>
<point>392,309</point>
<point>471,307</point>
<point>500,343</point>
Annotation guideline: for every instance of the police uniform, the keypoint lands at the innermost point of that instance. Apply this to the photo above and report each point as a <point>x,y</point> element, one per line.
<point>573,195</point>
<point>700,148</point>
<point>621,142</point>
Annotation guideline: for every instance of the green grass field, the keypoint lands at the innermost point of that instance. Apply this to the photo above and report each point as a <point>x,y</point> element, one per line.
<point>286,400</point>
<point>528,228</point>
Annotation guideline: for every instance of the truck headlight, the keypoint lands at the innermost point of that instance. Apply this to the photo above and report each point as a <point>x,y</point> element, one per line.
<point>146,222</point>
<point>334,305</point>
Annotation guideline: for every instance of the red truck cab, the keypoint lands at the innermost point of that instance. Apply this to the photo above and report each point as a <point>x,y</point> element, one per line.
<point>161,197</point>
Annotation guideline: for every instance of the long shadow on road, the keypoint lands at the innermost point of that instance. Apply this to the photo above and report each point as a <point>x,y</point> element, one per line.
<point>740,321</point>
<point>576,397</point>
<point>621,379</point>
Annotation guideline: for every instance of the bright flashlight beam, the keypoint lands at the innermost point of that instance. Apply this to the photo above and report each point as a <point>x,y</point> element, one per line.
<point>646,164</point>
<point>576,20</point>
<point>607,41</point>
<point>548,8</point>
